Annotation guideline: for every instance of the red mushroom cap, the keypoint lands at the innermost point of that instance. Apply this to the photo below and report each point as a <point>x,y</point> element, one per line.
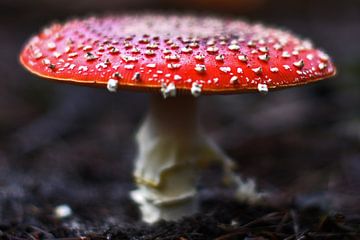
<point>153,52</point>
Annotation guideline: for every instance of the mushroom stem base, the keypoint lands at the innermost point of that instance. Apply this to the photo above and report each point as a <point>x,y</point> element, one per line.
<point>153,212</point>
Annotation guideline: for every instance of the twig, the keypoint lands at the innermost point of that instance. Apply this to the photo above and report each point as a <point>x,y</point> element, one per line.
<point>295,219</point>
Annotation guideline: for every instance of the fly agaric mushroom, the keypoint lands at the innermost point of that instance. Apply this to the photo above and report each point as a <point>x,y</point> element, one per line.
<point>181,57</point>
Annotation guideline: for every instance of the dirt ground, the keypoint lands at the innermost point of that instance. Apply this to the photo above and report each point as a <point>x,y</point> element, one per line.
<point>73,147</point>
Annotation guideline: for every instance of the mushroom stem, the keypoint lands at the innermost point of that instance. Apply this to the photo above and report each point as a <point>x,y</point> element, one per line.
<point>171,149</point>
<point>166,166</point>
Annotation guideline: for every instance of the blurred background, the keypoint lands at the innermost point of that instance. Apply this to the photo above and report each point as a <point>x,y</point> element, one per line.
<point>65,144</point>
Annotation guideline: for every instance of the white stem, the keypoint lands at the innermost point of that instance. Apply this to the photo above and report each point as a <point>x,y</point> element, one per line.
<point>171,148</point>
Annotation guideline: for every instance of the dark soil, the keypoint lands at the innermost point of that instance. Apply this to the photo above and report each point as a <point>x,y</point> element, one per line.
<point>105,212</point>
<point>64,145</point>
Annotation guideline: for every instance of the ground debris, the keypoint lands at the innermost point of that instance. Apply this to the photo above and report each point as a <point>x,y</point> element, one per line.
<point>227,220</point>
